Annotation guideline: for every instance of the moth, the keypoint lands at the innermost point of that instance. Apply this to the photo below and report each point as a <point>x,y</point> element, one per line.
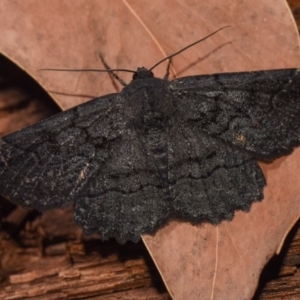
<point>185,149</point>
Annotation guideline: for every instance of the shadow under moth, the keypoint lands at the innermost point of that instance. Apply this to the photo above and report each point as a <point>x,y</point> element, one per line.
<point>184,149</point>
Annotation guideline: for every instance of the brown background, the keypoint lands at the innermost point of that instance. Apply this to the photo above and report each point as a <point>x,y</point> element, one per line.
<point>45,256</point>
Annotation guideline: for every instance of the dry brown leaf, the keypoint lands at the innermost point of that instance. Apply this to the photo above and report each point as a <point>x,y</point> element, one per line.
<point>207,262</point>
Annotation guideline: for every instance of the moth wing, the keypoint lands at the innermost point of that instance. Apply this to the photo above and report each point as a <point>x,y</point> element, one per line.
<point>210,178</point>
<point>124,199</point>
<point>256,111</point>
<point>92,156</point>
<point>47,164</point>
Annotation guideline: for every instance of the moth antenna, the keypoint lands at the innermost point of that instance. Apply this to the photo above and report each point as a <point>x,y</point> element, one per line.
<point>131,71</point>
<point>86,70</point>
<point>107,69</point>
<point>185,48</point>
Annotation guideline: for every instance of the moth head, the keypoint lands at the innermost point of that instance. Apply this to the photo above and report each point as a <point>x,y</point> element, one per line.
<point>142,73</point>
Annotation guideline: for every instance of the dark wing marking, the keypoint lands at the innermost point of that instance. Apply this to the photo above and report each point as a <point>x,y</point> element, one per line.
<point>257,111</point>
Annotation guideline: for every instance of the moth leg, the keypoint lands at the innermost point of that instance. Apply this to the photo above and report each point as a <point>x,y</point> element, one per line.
<point>168,70</point>
<point>111,72</point>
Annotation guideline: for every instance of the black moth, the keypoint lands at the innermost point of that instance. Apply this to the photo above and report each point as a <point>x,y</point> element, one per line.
<point>184,149</point>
